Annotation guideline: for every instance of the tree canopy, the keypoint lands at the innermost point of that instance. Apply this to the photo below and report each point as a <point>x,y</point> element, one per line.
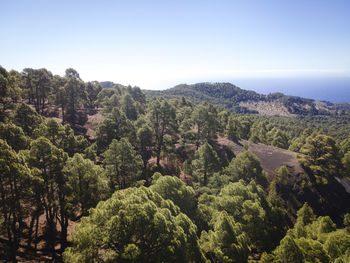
<point>135,225</point>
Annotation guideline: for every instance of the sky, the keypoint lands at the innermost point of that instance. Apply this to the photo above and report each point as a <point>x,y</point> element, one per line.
<point>158,44</point>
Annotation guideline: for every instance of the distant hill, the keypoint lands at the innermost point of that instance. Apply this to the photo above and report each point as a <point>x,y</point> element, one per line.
<point>246,101</point>
<point>107,84</point>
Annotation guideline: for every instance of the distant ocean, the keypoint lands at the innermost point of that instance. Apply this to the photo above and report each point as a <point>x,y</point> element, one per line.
<point>322,89</point>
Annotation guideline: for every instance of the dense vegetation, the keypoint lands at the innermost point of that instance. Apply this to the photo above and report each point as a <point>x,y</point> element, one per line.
<point>153,183</point>
<point>232,97</point>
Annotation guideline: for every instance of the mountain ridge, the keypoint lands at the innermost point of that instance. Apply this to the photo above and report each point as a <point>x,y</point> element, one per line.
<point>246,101</point>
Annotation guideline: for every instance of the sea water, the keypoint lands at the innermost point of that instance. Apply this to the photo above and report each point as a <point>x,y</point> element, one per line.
<point>335,89</point>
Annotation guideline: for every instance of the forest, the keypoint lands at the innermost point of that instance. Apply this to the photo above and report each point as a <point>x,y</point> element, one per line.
<point>239,100</point>
<point>101,172</point>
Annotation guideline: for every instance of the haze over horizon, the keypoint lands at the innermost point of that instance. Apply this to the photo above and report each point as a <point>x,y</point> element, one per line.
<point>158,44</point>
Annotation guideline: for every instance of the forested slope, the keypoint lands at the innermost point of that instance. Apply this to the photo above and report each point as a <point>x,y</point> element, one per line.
<point>245,101</point>
<point>164,180</point>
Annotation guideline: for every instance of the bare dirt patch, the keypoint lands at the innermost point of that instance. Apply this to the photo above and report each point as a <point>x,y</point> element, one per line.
<point>271,158</point>
<point>92,123</point>
<point>267,108</point>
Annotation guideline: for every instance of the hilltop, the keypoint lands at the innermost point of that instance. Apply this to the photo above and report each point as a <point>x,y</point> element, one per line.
<point>239,100</point>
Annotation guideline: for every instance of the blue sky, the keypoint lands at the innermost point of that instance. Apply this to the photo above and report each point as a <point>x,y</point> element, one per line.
<point>157,44</point>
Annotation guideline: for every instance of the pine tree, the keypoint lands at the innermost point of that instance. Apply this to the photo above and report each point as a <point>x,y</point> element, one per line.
<point>206,163</point>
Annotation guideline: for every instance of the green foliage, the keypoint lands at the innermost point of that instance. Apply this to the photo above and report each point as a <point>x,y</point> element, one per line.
<point>48,161</point>
<point>128,107</point>
<point>205,164</point>
<point>233,129</point>
<point>237,211</point>
<point>288,251</point>
<point>266,258</point>
<point>346,222</point>
<point>346,164</point>
<point>245,123</point>
<point>216,182</point>
<point>38,83</point>
<point>227,242</point>
<point>9,90</point>
<point>224,94</point>
<point>276,216</point>
<point>183,116</point>
<point>337,244</point>
<point>345,145</point>
<point>137,94</point>
<point>312,240</point>
<point>15,188</point>
<point>14,136</point>
<point>90,152</point>
<point>321,155</point>
<point>273,196</point>
<point>312,250</point>
<point>123,165</point>
<point>46,157</point>
<point>144,136</point>
<point>26,118</point>
<point>282,175</point>
<point>204,117</point>
<point>326,225</point>
<point>246,166</point>
<point>75,97</point>
<point>258,132</point>
<point>172,188</point>
<point>87,184</point>
<point>114,126</point>
<point>51,130</point>
<point>299,142</point>
<point>305,214</point>
<point>248,206</point>
<point>15,92</point>
<point>278,138</point>
<point>62,136</point>
<point>162,117</point>
<point>229,96</point>
<point>92,89</point>
<point>109,100</point>
<point>135,225</point>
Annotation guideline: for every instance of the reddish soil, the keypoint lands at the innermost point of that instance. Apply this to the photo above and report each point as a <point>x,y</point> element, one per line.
<point>25,254</point>
<point>92,123</point>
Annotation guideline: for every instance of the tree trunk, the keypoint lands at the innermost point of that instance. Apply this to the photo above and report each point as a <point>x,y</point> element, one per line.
<point>73,110</point>
<point>158,158</point>
<point>205,178</point>
<point>43,106</point>
<point>15,242</point>
<point>160,145</point>
<point>37,101</point>
<point>62,107</point>
<point>64,232</point>
<point>32,221</point>
<point>198,142</point>
<point>51,238</point>
<point>36,232</point>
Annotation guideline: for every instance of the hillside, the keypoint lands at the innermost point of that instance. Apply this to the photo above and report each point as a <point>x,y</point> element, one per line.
<point>245,101</point>
<point>331,199</point>
<point>73,151</point>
